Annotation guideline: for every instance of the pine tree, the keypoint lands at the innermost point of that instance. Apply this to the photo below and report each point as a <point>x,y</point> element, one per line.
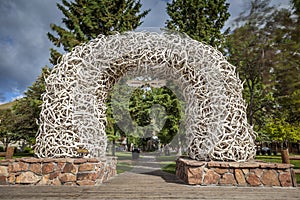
<point>27,109</point>
<point>296,6</point>
<point>202,20</point>
<point>86,19</point>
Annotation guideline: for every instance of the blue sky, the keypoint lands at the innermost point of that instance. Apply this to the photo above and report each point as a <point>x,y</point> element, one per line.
<point>25,47</point>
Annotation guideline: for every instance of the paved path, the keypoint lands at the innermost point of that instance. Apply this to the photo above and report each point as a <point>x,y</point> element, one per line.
<point>147,181</point>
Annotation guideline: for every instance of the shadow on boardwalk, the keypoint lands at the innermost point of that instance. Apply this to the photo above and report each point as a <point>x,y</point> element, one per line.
<point>146,181</point>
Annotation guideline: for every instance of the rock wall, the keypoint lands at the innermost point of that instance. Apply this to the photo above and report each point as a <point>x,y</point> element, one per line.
<point>247,174</point>
<point>57,171</point>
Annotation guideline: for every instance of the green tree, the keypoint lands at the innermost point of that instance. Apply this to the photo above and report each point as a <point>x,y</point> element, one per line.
<point>8,133</point>
<point>141,106</point>
<point>143,112</point>
<point>296,6</point>
<point>86,19</point>
<point>283,30</point>
<point>27,109</point>
<point>250,50</point>
<point>202,20</point>
<point>264,49</point>
<point>282,131</point>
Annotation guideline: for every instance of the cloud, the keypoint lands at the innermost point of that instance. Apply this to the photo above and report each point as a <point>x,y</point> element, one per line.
<point>2,98</point>
<point>25,46</point>
<point>23,41</point>
<point>158,14</point>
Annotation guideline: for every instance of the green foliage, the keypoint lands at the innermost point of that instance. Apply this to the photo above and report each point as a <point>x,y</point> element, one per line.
<point>27,110</point>
<point>141,104</point>
<point>151,108</point>
<point>8,133</point>
<point>263,49</point>
<point>86,19</point>
<point>296,6</point>
<point>287,64</point>
<point>280,130</point>
<point>202,20</point>
<point>249,49</point>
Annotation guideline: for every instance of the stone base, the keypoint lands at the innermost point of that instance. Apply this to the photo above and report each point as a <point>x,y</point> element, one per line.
<point>246,174</point>
<point>57,171</point>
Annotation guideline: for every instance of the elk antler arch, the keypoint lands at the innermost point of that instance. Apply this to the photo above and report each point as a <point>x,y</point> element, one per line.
<point>73,113</point>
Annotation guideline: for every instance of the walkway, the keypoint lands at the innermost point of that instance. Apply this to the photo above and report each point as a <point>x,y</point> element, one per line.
<point>146,181</point>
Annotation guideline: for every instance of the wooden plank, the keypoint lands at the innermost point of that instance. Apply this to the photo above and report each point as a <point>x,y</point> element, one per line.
<point>2,154</point>
<point>297,171</point>
<point>294,157</point>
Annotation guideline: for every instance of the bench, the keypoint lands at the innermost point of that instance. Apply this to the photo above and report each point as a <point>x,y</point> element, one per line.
<point>9,153</point>
<point>294,157</point>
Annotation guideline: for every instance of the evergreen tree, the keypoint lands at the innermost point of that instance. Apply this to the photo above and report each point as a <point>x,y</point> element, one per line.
<point>86,19</point>
<point>27,109</point>
<point>202,20</point>
<point>296,6</point>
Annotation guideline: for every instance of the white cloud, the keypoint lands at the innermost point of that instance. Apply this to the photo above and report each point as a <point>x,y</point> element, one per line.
<point>25,46</point>
<point>156,18</point>
<point>23,42</point>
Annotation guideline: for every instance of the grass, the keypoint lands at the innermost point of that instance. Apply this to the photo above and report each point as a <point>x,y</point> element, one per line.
<point>123,167</point>
<point>170,167</point>
<point>166,158</point>
<point>167,163</point>
<point>7,105</point>
<point>20,155</point>
<point>124,162</point>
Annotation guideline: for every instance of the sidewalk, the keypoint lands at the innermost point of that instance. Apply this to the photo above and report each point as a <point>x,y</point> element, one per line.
<point>147,181</point>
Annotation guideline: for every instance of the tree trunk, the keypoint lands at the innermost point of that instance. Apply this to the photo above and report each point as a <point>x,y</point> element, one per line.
<point>285,156</point>
<point>113,148</point>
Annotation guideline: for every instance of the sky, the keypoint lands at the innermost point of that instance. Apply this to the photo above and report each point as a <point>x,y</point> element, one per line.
<point>24,46</point>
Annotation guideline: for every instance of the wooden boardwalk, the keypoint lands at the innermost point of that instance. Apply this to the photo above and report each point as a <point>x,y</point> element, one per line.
<point>147,181</point>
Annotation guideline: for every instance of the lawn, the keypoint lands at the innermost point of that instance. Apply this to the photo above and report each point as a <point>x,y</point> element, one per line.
<point>169,167</point>
<point>167,163</point>
<point>125,162</point>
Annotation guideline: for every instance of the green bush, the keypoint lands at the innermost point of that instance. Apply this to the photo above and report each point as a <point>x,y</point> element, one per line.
<point>27,150</point>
